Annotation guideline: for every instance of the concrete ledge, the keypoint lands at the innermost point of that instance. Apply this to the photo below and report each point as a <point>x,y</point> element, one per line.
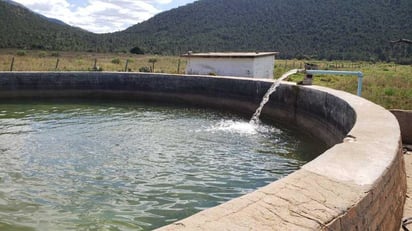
<point>357,184</point>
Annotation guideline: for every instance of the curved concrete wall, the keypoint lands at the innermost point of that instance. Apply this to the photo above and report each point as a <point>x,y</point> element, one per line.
<point>357,184</point>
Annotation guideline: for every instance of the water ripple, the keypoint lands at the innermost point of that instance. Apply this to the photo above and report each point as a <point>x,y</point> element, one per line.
<point>123,166</point>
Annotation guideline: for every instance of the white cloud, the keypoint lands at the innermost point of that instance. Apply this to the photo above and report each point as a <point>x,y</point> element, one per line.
<point>164,1</point>
<point>98,16</point>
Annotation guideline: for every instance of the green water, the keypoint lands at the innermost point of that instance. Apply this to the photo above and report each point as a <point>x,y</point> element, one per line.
<point>130,166</point>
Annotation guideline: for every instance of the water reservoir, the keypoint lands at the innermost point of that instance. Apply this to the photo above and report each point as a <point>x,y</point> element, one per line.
<point>128,165</point>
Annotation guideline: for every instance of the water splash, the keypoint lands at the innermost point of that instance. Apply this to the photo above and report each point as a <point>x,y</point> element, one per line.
<point>231,126</point>
<point>242,128</point>
<point>275,85</point>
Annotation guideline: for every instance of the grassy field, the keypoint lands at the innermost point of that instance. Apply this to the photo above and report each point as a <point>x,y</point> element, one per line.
<point>386,84</point>
<point>84,61</point>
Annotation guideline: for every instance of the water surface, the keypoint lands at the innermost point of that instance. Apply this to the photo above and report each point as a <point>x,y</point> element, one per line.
<point>131,166</point>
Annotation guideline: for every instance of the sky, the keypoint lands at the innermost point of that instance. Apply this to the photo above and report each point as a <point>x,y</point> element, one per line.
<point>101,16</point>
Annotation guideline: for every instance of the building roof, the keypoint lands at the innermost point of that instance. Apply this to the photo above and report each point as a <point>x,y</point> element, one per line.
<point>230,54</point>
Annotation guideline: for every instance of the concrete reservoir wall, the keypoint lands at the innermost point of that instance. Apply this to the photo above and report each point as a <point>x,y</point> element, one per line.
<point>359,183</point>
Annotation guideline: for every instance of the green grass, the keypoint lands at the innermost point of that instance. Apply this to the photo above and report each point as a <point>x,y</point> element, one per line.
<point>386,84</point>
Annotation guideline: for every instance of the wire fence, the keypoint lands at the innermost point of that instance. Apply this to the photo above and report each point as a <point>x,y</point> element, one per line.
<point>174,65</point>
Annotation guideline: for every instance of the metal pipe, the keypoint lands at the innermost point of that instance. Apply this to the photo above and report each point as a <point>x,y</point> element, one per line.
<point>327,72</point>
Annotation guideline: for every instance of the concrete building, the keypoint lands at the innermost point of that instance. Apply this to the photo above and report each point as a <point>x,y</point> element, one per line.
<point>249,64</point>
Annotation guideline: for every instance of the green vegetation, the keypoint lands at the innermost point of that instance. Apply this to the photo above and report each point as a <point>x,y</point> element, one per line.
<point>323,30</point>
<point>23,29</point>
<point>144,69</point>
<point>386,84</point>
<point>21,53</point>
<point>42,54</point>
<point>116,61</point>
<point>137,51</point>
<point>153,61</point>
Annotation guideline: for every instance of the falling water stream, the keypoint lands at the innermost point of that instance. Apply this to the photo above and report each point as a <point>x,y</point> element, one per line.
<point>272,89</point>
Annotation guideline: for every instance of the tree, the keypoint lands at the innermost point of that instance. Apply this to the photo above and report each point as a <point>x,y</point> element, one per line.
<point>137,50</point>
<point>153,61</point>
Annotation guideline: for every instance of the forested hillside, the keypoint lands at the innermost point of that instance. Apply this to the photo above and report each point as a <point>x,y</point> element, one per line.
<point>23,29</point>
<point>326,29</point>
<point>322,29</point>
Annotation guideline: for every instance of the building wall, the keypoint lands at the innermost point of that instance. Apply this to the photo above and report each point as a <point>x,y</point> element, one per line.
<point>261,67</point>
<point>220,66</point>
<point>264,67</point>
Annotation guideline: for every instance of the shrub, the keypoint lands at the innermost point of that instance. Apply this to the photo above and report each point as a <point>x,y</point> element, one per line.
<point>153,61</point>
<point>145,69</point>
<point>116,61</point>
<point>96,69</point>
<point>137,50</point>
<point>389,91</point>
<point>21,53</point>
<point>55,54</point>
<point>42,54</point>
<point>405,61</point>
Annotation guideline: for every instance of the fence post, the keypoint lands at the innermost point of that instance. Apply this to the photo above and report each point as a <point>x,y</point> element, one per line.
<point>12,64</point>
<point>57,64</point>
<point>178,66</point>
<point>127,64</point>
<point>95,65</point>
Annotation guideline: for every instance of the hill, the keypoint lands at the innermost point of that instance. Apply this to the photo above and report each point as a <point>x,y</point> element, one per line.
<point>24,29</point>
<point>350,29</point>
<point>54,20</point>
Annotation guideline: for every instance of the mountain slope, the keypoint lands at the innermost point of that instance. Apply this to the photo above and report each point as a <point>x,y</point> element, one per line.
<point>324,29</point>
<point>54,20</point>
<point>350,29</point>
<point>24,29</point>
